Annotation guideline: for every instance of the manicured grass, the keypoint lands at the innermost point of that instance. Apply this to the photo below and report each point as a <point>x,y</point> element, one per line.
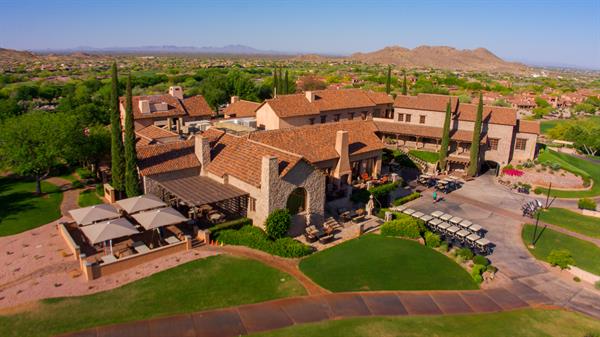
<point>374,262</point>
<point>522,323</point>
<point>430,157</point>
<point>88,198</point>
<point>21,209</point>
<point>214,282</point>
<point>575,165</point>
<point>572,221</point>
<point>546,125</point>
<point>585,254</point>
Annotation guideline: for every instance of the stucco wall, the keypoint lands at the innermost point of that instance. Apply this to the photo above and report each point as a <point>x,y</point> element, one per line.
<point>530,147</point>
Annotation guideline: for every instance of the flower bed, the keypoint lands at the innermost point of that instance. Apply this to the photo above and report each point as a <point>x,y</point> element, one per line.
<point>512,172</point>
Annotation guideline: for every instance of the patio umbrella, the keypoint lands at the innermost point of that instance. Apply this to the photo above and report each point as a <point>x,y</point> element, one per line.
<point>108,230</point>
<point>91,214</point>
<point>159,218</point>
<point>141,203</point>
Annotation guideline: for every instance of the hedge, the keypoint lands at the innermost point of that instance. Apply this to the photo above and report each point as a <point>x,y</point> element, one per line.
<point>233,224</point>
<point>465,253</point>
<point>256,238</point>
<point>587,203</point>
<point>405,199</point>
<point>278,223</point>
<point>476,272</point>
<point>482,260</point>
<point>432,240</point>
<point>402,227</point>
<point>381,193</point>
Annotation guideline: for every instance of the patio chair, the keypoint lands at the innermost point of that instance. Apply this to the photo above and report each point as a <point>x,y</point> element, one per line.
<point>326,238</point>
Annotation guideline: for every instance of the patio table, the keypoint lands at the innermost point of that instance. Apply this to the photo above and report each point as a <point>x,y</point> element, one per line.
<point>437,214</point>
<point>455,220</point>
<point>172,240</point>
<point>446,217</point>
<point>465,224</point>
<point>474,228</point>
<point>108,258</point>
<point>140,247</point>
<point>408,211</point>
<point>417,214</point>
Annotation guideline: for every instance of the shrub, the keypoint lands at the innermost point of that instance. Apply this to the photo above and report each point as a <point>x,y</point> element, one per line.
<point>576,279</point>
<point>443,247</point>
<point>466,253</point>
<point>555,166</point>
<point>482,260</point>
<point>233,224</point>
<point>278,223</point>
<point>491,268</point>
<point>561,258</point>
<point>405,199</point>
<point>77,184</point>
<point>477,271</point>
<point>360,195</point>
<point>381,193</point>
<point>401,227</point>
<point>459,259</point>
<point>100,190</point>
<point>586,203</point>
<point>84,173</point>
<point>256,238</point>
<point>432,240</point>
<point>528,164</point>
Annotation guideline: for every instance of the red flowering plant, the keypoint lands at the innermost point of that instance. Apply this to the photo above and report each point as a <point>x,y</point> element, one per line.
<point>512,172</point>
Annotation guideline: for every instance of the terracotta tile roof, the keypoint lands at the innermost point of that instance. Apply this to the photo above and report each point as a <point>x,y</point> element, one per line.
<point>524,126</point>
<point>491,114</point>
<point>213,134</point>
<point>173,107</point>
<point>424,131</point>
<point>326,100</point>
<point>241,157</point>
<point>242,108</point>
<point>155,132</point>
<point>429,102</point>
<point>317,142</point>
<point>168,157</point>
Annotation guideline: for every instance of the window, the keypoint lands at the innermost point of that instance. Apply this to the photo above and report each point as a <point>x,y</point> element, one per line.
<point>251,204</point>
<point>336,117</point>
<point>493,143</point>
<point>422,119</point>
<point>364,115</point>
<point>407,118</point>
<point>521,144</point>
<point>311,121</point>
<point>350,115</point>
<point>323,119</point>
<point>400,117</point>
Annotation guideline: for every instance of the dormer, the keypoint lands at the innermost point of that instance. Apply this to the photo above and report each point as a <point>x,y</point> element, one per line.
<point>144,106</point>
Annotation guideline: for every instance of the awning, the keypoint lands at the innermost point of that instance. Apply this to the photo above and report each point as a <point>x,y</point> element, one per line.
<point>108,230</point>
<point>196,190</point>
<point>141,203</point>
<point>159,217</point>
<point>91,214</point>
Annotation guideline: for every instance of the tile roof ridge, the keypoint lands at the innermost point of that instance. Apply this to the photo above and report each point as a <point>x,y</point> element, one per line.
<point>274,148</point>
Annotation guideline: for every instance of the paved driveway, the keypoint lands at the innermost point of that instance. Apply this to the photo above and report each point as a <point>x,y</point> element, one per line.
<point>497,210</point>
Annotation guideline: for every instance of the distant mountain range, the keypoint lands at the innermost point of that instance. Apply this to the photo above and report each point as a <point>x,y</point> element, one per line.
<point>167,49</point>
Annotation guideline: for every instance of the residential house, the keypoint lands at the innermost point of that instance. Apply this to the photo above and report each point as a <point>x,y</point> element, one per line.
<point>239,108</point>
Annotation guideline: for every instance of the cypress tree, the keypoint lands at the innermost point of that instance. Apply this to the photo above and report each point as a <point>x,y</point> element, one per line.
<point>404,86</point>
<point>132,184</point>
<point>280,82</point>
<point>116,149</point>
<point>275,82</point>
<point>474,162</point>
<point>446,136</point>
<point>388,83</point>
<point>286,89</point>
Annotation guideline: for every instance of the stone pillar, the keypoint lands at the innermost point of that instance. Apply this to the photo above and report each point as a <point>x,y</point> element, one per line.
<point>341,147</point>
<point>202,151</point>
<point>204,236</point>
<point>268,178</point>
<point>188,242</point>
<point>110,194</point>
<point>88,271</point>
<point>377,167</point>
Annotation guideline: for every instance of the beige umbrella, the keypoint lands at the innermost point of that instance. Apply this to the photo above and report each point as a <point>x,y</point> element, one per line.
<point>91,214</point>
<point>141,203</point>
<point>108,230</point>
<point>159,218</point>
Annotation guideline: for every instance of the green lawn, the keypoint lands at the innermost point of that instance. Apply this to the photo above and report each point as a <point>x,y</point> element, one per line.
<point>430,157</point>
<point>572,221</point>
<point>586,254</point>
<point>578,166</point>
<point>21,209</point>
<point>88,198</point>
<point>546,125</point>
<point>374,262</point>
<point>214,282</point>
<point>522,323</point>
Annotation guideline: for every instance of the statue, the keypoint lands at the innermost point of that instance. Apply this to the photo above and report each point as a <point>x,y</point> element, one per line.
<point>370,206</point>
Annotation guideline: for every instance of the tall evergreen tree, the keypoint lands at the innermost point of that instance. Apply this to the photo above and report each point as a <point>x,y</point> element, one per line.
<point>280,76</point>
<point>474,160</point>
<point>404,86</point>
<point>286,89</point>
<point>275,82</point>
<point>446,136</point>
<point>116,149</point>
<point>388,83</point>
<point>132,183</point>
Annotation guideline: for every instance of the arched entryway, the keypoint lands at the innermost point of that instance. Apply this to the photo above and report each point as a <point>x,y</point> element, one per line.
<point>490,167</point>
<point>296,202</point>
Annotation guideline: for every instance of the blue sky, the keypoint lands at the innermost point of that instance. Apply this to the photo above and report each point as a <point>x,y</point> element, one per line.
<point>543,32</point>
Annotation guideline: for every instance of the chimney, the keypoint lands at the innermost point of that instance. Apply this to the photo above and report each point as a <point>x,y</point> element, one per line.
<point>310,96</point>
<point>341,147</point>
<point>144,106</point>
<point>176,92</point>
<point>235,99</point>
<point>269,172</point>
<point>202,151</point>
